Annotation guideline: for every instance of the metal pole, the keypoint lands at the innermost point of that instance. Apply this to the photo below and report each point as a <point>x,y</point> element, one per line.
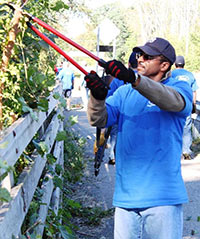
<point>114,48</point>
<point>98,32</point>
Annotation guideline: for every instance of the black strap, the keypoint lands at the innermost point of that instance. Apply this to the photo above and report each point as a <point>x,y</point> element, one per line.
<point>98,134</point>
<point>100,149</point>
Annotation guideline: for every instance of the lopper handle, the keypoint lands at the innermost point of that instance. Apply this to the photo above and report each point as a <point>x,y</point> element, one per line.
<point>101,62</point>
<point>54,31</point>
<point>53,45</point>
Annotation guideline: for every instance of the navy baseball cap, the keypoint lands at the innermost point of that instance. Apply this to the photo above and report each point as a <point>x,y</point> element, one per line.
<point>132,60</point>
<point>180,60</point>
<point>156,47</point>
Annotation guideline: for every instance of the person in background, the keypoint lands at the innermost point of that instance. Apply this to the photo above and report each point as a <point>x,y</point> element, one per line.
<point>66,76</point>
<point>132,62</point>
<point>108,80</point>
<point>84,89</point>
<point>150,112</point>
<point>114,85</point>
<point>184,75</point>
<point>57,69</point>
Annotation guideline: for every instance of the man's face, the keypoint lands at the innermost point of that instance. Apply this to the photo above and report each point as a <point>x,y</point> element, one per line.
<point>151,66</point>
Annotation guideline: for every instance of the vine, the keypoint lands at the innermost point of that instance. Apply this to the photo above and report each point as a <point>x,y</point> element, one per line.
<point>26,69</point>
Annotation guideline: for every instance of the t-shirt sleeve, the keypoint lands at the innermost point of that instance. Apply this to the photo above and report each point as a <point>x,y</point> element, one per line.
<point>113,106</point>
<point>186,92</point>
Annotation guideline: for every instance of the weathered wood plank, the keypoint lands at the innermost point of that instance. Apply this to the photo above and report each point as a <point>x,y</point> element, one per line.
<point>55,200</point>
<point>42,214</point>
<point>12,214</point>
<point>19,135</point>
<point>48,188</point>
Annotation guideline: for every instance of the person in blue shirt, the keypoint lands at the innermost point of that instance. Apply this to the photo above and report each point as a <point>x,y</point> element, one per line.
<point>114,85</point>
<point>150,112</point>
<point>184,75</point>
<point>66,76</point>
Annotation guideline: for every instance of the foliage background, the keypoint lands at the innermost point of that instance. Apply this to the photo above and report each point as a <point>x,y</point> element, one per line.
<point>30,77</point>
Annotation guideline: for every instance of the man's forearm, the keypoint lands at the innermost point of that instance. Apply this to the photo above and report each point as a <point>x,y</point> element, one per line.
<point>97,114</point>
<point>163,96</point>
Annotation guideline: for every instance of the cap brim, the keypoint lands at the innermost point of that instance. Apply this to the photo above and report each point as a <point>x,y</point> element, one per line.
<point>146,49</point>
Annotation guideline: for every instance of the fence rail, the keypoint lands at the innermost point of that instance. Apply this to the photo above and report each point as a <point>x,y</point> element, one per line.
<point>16,138</point>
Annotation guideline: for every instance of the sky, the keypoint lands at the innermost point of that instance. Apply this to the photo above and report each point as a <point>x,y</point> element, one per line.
<point>99,3</point>
<point>76,24</point>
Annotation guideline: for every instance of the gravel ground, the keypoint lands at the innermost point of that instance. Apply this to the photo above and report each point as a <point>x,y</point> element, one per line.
<point>191,175</point>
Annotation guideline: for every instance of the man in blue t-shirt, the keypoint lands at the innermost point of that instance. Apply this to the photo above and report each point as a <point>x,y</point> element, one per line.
<point>181,74</point>
<point>66,76</point>
<point>150,113</point>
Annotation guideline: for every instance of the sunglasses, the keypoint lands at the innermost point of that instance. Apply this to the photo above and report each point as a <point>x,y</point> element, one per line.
<point>145,56</point>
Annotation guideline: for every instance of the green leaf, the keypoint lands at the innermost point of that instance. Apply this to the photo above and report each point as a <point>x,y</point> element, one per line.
<point>2,176</point>
<point>26,108</point>
<point>62,135</point>
<point>41,147</point>
<point>58,169</point>
<point>59,5</point>
<point>51,159</point>
<point>4,165</point>
<point>61,117</point>
<point>38,237</point>
<point>50,234</point>
<point>74,204</point>
<point>56,95</point>
<point>22,101</point>
<point>62,101</point>
<point>43,105</point>
<point>73,120</point>
<point>33,115</point>
<point>4,195</point>
<point>66,232</point>
<point>58,182</point>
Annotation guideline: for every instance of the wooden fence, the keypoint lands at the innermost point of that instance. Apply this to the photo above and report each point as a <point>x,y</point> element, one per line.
<point>17,137</point>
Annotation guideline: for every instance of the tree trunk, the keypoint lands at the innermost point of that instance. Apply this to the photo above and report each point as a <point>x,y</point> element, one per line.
<point>7,54</point>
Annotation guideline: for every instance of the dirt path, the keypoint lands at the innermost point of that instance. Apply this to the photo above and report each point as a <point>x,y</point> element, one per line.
<point>94,191</point>
<point>191,175</point>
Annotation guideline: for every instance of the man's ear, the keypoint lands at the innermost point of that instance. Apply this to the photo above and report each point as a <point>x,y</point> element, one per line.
<point>164,66</point>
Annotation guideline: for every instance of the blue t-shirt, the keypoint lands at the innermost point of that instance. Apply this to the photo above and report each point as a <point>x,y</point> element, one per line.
<point>148,150</point>
<point>67,77</point>
<point>115,84</point>
<point>184,75</point>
